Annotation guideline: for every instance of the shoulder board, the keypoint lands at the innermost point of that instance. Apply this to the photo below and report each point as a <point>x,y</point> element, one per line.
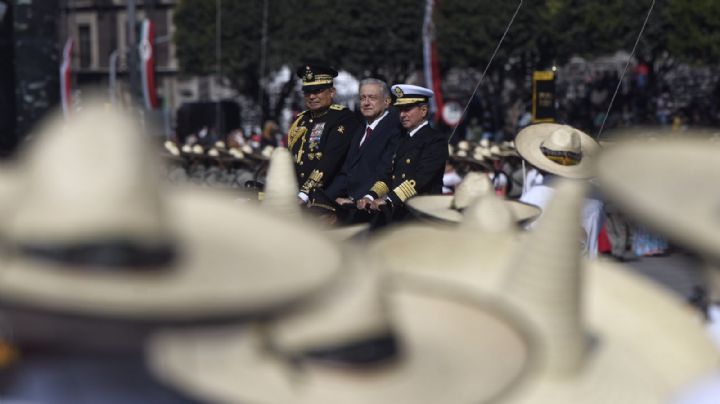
<point>337,107</point>
<point>302,113</point>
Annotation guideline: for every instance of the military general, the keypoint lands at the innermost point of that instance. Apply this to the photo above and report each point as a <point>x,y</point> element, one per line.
<point>320,136</point>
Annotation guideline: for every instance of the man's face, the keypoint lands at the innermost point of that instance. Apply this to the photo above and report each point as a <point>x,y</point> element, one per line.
<point>412,116</point>
<point>318,100</point>
<point>372,101</point>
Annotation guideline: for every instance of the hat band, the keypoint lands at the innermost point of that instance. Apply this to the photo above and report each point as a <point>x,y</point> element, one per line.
<point>367,352</point>
<point>564,158</point>
<point>317,82</point>
<point>407,101</point>
<point>104,255</point>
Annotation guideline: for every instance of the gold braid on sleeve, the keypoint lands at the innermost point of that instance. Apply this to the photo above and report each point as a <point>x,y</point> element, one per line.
<point>406,190</point>
<point>380,188</point>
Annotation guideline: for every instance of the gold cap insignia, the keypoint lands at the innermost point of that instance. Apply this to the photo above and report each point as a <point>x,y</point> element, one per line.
<point>309,76</point>
<point>399,92</point>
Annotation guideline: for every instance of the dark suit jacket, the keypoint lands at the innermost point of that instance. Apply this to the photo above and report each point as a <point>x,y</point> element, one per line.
<point>417,169</point>
<point>319,143</point>
<point>370,163</point>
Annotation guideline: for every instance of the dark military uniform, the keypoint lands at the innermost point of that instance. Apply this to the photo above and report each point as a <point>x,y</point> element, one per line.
<point>319,143</point>
<point>417,169</point>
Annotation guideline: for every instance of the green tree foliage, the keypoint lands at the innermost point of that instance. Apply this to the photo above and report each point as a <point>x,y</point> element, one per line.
<point>371,37</point>
<point>377,37</point>
<point>693,30</point>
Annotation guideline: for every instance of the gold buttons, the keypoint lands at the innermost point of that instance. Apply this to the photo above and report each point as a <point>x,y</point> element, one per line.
<point>301,162</point>
<point>403,176</point>
<point>393,176</point>
<point>302,175</point>
<point>407,161</point>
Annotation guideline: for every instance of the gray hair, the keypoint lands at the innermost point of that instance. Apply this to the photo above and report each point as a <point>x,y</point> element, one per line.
<point>384,89</point>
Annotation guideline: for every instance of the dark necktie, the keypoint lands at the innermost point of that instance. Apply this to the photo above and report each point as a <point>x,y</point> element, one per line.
<point>368,132</point>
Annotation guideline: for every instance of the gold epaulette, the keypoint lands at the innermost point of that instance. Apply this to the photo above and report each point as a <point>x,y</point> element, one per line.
<point>380,188</point>
<point>314,180</point>
<point>337,107</point>
<point>406,190</point>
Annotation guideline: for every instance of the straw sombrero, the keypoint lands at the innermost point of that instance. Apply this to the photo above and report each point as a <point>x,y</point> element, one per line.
<point>558,149</point>
<point>449,208</point>
<point>669,185</point>
<point>356,344</point>
<point>600,339</point>
<point>91,231</point>
<point>475,253</point>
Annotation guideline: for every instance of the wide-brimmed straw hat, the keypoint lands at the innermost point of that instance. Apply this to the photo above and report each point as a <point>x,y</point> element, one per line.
<point>558,149</point>
<point>90,230</point>
<point>476,252</point>
<point>357,343</point>
<point>668,184</point>
<point>599,339</point>
<point>449,208</point>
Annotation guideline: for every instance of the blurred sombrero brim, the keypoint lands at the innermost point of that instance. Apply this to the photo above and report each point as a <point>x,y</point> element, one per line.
<point>669,185</point>
<point>447,346</point>
<point>347,232</point>
<point>530,139</point>
<point>633,355</point>
<point>636,356</point>
<point>226,266</point>
<point>471,257</point>
<point>439,207</point>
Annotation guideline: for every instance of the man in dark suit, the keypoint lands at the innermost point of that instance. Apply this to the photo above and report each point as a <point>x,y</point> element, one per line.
<point>320,136</point>
<point>419,162</point>
<point>373,145</point>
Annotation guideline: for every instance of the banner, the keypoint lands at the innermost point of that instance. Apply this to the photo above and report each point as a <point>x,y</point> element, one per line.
<point>147,64</point>
<point>66,78</point>
<point>430,61</point>
<point>543,96</point>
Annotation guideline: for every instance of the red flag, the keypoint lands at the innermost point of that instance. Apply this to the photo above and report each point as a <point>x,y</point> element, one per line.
<point>147,64</point>
<point>430,59</point>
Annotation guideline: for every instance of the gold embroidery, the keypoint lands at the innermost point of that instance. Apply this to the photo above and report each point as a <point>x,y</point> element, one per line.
<point>337,107</point>
<point>322,205</point>
<point>296,132</point>
<point>406,190</point>
<point>380,188</point>
<point>314,180</point>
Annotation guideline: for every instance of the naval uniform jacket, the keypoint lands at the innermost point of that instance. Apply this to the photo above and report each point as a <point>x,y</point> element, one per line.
<point>319,143</point>
<point>366,164</point>
<point>417,168</point>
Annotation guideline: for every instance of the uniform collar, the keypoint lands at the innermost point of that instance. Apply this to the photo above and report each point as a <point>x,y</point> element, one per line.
<point>377,120</point>
<point>414,131</point>
<point>319,113</point>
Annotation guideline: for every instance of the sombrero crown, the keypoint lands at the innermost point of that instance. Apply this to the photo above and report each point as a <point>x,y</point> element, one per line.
<point>558,149</point>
